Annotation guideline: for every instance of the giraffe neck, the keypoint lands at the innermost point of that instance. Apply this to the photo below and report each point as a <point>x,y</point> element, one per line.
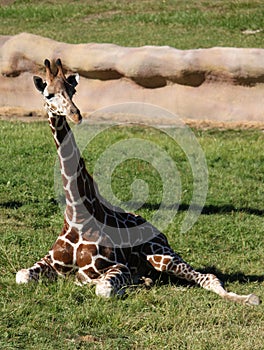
<point>82,197</point>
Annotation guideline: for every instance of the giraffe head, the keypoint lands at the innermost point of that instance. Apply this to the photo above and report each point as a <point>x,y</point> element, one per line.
<point>58,92</point>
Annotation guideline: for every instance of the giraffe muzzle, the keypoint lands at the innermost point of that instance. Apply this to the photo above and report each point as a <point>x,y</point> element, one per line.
<point>76,117</point>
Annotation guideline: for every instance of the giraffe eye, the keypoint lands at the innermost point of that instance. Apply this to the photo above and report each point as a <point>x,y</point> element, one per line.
<point>50,96</point>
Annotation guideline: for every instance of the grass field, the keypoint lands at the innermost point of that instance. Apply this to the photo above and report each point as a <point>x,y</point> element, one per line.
<point>227,239</point>
<point>178,23</point>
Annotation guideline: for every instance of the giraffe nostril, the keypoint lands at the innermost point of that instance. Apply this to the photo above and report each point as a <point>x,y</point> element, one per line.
<point>75,116</point>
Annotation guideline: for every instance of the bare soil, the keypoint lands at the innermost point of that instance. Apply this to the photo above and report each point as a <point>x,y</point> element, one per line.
<point>20,114</point>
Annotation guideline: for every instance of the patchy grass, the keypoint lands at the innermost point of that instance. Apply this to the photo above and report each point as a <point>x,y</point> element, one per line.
<point>182,24</point>
<point>227,239</point>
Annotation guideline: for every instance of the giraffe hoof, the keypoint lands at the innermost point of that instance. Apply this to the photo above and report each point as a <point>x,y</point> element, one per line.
<point>253,300</point>
<point>22,276</point>
<point>103,289</point>
<point>148,282</point>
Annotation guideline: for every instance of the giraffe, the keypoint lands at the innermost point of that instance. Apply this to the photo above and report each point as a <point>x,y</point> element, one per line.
<point>94,243</point>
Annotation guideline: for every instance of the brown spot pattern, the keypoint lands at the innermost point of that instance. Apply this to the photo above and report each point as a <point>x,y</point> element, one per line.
<point>73,236</point>
<point>63,251</point>
<point>63,269</point>
<point>91,273</point>
<point>85,253</point>
<point>102,264</point>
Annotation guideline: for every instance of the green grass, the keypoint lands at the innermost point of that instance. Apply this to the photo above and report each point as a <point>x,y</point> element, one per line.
<point>178,23</point>
<point>228,239</point>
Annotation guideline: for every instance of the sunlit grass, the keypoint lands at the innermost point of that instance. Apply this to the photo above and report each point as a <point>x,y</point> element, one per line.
<point>177,23</point>
<point>227,239</point>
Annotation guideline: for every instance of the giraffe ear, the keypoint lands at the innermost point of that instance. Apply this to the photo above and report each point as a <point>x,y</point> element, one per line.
<point>73,79</point>
<point>40,85</point>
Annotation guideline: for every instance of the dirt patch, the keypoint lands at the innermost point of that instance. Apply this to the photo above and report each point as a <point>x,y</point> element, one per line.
<point>6,2</point>
<point>16,113</point>
<point>19,114</point>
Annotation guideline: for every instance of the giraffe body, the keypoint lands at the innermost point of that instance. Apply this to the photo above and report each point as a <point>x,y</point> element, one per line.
<point>99,243</point>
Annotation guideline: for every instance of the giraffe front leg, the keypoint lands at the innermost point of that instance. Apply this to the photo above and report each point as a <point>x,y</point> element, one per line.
<point>113,281</point>
<point>40,268</point>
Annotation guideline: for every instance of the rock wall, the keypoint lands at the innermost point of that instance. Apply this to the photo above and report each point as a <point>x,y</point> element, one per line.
<point>215,84</point>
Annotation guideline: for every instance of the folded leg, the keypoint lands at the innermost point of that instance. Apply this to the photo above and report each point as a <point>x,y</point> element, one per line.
<point>40,268</point>
<point>113,281</point>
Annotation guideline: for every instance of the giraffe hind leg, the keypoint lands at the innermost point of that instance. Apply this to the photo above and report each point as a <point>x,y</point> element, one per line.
<point>171,263</point>
<point>212,283</point>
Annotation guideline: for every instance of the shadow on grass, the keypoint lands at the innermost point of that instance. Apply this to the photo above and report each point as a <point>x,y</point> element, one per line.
<point>18,204</point>
<point>225,209</point>
<point>207,209</point>
<point>11,205</point>
<point>239,276</point>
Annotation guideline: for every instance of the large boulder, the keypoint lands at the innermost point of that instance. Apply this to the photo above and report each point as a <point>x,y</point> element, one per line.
<point>215,84</point>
